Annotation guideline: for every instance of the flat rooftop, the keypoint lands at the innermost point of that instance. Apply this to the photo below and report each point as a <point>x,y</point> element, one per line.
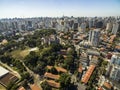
<point>3,71</point>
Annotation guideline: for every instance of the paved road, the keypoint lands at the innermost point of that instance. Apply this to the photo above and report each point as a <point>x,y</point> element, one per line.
<point>73,79</point>
<point>36,76</point>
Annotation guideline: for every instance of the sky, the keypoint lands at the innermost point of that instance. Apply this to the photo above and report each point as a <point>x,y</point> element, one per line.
<point>58,8</point>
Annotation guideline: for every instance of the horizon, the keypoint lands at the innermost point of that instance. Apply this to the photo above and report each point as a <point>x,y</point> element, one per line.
<point>58,8</point>
<point>61,17</point>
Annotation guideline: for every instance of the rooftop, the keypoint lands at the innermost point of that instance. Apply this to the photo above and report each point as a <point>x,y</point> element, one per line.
<point>107,85</point>
<point>53,83</point>
<point>59,69</point>
<point>21,88</point>
<point>34,87</point>
<point>52,76</point>
<point>88,74</point>
<point>7,78</point>
<point>3,71</point>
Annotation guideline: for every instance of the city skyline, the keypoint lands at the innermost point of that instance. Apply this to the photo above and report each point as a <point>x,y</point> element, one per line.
<point>57,8</point>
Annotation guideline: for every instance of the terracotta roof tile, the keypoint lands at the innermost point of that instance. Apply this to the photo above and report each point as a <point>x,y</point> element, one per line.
<point>107,85</point>
<point>52,76</point>
<point>21,88</point>
<point>34,87</point>
<point>59,69</point>
<point>88,74</point>
<point>53,83</point>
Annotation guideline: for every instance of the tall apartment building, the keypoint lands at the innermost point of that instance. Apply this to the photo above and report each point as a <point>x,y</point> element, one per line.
<point>94,36</point>
<point>116,28</point>
<point>114,68</point>
<point>109,26</point>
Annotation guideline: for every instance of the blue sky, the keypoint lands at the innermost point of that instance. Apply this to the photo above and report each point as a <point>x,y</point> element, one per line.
<point>56,8</point>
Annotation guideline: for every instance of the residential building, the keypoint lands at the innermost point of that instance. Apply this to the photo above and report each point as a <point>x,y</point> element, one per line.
<point>94,36</point>
<point>116,28</point>
<point>109,26</point>
<point>88,74</point>
<point>114,68</point>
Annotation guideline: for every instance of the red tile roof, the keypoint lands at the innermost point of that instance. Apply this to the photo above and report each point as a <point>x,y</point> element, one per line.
<point>107,85</point>
<point>59,69</point>
<point>53,83</point>
<point>34,87</point>
<point>88,74</point>
<point>21,88</point>
<point>52,76</point>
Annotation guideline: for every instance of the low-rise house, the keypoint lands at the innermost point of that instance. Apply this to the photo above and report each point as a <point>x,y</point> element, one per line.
<point>53,83</point>
<point>84,60</point>
<point>21,88</point>
<point>88,74</point>
<point>107,86</point>
<point>34,87</point>
<point>59,69</point>
<point>94,60</point>
<point>93,52</point>
<point>4,42</point>
<point>51,76</point>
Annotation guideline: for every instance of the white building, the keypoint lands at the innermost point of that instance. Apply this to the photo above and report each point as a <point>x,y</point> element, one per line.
<point>109,26</point>
<point>114,68</point>
<point>3,71</point>
<point>82,27</point>
<point>94,36</point>
<point>115,28</point>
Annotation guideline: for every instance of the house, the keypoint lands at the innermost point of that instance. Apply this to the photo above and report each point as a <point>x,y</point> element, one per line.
<point>21,88</point>
<point>100,88</point>
<point>107,86</point>
<point>93,52</point>
<point>4,42</point>
<point>51,76</point>
<point>53,83</point>
<point>94,60</point>
<point>34,87</point>
<point>84,59</point>
<point>59,69</point>
<point>88,74</point>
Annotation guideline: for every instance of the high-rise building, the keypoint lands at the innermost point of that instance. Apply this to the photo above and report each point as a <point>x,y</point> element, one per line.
<point>99,24</point>
<point>114,68</point>
<point>82,27</point>
<point>75,26</point>
<point>109,26</point>
<point>94,36</point>
<point>116,28</point>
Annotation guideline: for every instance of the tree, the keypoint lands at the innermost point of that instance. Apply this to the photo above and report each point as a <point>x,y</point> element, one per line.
<point>65,80</point>
<point>69,61</point>
<point>31,59</point>
<point>24,83</point>
<point>12,86</point>
<point>53,70</point>
<point>45,86</point>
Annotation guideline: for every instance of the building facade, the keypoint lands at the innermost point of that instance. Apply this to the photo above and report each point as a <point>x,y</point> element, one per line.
<point>94,37</point>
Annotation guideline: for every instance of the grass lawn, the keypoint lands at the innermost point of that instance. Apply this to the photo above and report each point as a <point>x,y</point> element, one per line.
<point>20,54</point>
<point>2,88</point>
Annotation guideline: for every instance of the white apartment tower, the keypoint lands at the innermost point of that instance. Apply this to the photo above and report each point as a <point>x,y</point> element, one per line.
<point>115,28</point>
<point>109,26</point>
<point>94,36</point>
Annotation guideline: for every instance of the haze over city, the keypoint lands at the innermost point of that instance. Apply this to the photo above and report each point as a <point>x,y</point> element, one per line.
<point>57,8</point>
